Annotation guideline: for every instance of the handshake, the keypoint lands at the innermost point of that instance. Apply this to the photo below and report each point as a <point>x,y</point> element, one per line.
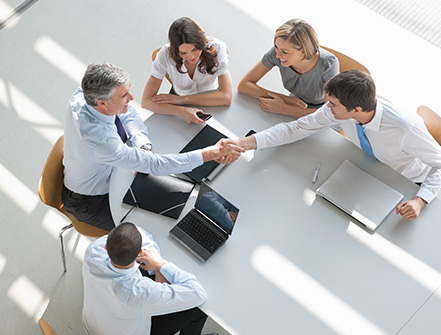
<point>226,150</point>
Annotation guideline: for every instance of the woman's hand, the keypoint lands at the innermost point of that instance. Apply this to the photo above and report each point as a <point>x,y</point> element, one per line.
<point>168,99</point>
<point>273,104</point>
<point>190,116</point>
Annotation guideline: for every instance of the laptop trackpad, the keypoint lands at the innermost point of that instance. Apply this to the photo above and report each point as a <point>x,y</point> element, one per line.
<point>182,237</point>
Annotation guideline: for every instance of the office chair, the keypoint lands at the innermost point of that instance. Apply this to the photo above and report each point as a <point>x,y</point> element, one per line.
<point>346,62</point>
<point>432,122</point>
<point>46,329</point>
<point>49,189</point>
<point>153,59</point>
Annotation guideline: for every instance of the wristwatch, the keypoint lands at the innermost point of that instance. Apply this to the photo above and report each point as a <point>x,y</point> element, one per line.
<point>147,146</point>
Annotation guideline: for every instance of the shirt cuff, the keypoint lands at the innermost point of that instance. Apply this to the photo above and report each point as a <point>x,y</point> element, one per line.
<point>196,157</point>
<point>260,140</point>
<point>426,195</point>
<point>168,270</point>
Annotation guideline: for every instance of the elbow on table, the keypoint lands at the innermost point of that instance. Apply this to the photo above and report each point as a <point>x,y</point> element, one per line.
<point>241,87</point>
<point>227,99</point>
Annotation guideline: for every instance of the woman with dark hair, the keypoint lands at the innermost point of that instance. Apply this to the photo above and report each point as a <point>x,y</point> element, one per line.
<point>198,67</point>
<point>303,65</point>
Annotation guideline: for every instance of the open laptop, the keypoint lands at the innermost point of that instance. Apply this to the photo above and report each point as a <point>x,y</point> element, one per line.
<point>208,225</point>
<point>362,196</point>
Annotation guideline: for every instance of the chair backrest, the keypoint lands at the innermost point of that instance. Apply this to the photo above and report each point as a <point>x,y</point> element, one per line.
<point>432,122</point>
<point>51,180</point>
<point>51,184</point>
<point>153,59</point>
<point>346,62</point>
<point>46,329</point>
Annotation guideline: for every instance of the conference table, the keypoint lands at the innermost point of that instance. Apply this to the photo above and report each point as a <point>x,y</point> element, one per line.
<point>295,264</point>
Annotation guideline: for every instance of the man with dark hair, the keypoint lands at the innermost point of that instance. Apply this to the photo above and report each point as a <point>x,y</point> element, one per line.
<point>374,125</point>
<point>99,122</point>
<point>118,299</point>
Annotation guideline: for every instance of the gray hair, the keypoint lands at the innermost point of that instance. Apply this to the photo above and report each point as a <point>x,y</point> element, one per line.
<point>100,80</point>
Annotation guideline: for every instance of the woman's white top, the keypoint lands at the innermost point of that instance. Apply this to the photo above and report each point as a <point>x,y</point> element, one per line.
<point>182,83</point>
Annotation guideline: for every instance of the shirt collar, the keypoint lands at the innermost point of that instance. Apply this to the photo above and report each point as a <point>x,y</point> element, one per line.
<point>129,271</point>
<point>375,123</point>
<point>100,116</point>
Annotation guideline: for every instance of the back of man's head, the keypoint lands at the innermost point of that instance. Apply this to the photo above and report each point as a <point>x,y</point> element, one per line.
<point>123,244</point>
<point>353,88</point>
<point>100,80</point>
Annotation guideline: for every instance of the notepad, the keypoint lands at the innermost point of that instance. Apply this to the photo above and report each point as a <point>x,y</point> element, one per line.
<point>164,195</point>
<point>206,137</point>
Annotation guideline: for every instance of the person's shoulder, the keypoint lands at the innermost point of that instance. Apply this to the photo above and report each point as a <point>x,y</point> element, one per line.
<point>77,101</point>
<point>394,114</point>
<point>269,59</point>
<point>217,43</point>
<point>96,249</point>
<point>164,53</point>
<point>327,57</point>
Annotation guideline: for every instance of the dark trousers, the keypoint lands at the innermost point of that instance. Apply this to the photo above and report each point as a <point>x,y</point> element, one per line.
<point>94,210</point>
<point>188,322</point>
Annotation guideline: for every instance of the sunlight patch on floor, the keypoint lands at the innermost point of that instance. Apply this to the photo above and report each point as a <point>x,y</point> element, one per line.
<point>28,297</point>
<point>17,192</point>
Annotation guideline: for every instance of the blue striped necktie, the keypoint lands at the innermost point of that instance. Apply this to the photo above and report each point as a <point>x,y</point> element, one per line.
<point>364,142</point>
<point>120,128</point>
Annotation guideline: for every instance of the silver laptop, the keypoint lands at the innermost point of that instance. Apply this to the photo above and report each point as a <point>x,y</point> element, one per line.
<point>208,225</point>
<point>362,196</point>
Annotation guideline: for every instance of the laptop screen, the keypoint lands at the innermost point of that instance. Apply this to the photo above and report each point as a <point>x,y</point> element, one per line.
<point>217,208</point>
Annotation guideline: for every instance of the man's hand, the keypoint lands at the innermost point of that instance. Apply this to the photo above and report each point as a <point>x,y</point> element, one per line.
<point>150,260</point>
<point>410,209</point>
<point>224,151</point>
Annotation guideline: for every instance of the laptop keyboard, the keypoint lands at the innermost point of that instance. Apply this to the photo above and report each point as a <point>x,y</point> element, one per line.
<point>198,231</point>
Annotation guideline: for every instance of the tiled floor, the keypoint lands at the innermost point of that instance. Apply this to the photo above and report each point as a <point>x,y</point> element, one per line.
<point>43,55</point>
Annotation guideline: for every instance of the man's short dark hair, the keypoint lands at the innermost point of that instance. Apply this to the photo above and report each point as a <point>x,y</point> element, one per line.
<point>124,243</point>
<point>353,88</point>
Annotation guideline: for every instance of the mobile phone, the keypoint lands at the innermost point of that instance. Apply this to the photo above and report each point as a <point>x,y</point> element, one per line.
<point>203,116</point>
<point>251,132</point>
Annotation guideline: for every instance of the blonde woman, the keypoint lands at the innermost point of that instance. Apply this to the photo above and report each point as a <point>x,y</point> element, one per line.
<point>303,65</point>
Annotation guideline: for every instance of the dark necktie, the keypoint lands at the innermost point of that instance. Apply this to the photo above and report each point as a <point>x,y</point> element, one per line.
<point>120,127</point>
<point>364,142</point>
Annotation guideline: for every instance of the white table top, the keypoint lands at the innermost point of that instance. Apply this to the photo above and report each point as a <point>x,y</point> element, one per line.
<point>294,263</point>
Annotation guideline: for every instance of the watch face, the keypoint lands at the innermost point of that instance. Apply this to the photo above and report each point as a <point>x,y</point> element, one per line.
<point>147,146</point>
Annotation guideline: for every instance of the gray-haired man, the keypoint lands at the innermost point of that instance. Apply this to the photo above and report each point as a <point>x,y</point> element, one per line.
<point>98,122</point>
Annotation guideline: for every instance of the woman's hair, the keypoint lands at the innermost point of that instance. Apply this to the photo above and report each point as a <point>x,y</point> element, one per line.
<point>124,243</point>
<point>300,35</point>
<point>100,81</point>
<point>353,88</point>
<point>185,31</point>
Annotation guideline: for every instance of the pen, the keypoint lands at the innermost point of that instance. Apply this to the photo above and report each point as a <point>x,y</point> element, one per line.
<point>135,205</point>
<point>317,170</point>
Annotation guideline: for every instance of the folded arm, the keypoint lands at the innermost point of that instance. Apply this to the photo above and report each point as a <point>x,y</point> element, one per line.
<point>270,101</point>
<point>151,90</point>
